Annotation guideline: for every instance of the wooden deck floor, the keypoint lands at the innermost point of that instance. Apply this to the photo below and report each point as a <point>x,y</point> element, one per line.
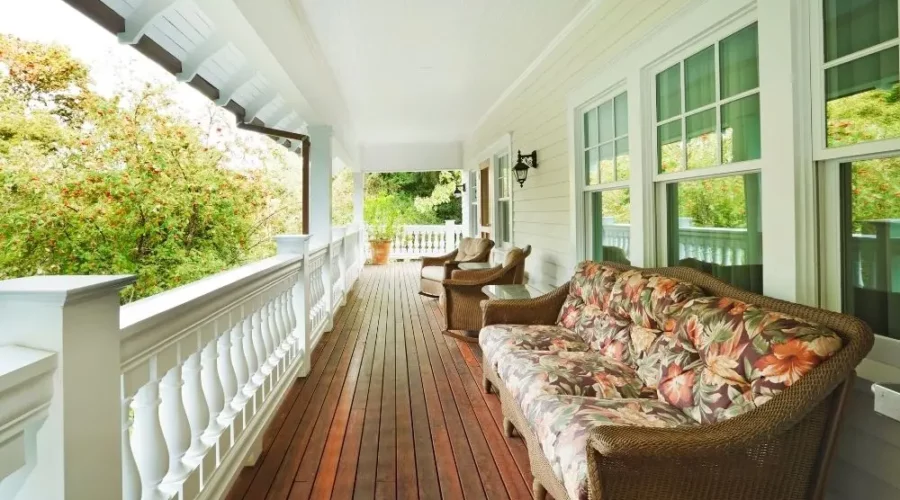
<point>391,409</point>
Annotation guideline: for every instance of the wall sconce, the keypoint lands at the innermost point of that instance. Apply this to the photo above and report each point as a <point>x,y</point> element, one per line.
<point>460,189</point>
<point>525,162</point>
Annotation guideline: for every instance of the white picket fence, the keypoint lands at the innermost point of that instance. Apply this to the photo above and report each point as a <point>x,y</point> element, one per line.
<point>166,397</point>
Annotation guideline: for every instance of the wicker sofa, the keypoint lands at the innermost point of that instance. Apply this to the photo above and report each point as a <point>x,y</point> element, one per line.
<point>670,384</point>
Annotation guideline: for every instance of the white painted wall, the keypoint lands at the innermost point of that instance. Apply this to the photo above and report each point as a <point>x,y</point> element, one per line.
<point>534,112</point>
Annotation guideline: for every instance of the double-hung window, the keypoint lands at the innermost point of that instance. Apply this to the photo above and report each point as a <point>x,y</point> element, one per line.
<point>857,105</point>
<point>504,200</point>
<point>607,169</point>
<point>707,133</point>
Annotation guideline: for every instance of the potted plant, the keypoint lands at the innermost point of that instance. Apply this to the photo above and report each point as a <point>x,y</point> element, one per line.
<point>381,215</point>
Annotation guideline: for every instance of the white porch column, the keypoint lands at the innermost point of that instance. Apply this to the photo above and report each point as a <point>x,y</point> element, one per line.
<point>77,452</point>
<point>788,183</point>
<point>359,196</point>
<point>466,202</point>
<point>320,170</point>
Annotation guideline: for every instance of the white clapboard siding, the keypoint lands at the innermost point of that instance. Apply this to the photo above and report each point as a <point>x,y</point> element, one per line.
<point>535,112</point>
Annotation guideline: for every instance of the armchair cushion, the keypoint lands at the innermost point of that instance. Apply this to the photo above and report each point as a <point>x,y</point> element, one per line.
<point>433,273</point>
<point>474,249</point>
<point>529,374</point>
<point>748,355</point>
<point>497,340</point>
<point>562,425</point>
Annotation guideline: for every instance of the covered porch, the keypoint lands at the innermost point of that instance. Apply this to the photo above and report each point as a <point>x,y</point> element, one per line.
<point>655,134</point>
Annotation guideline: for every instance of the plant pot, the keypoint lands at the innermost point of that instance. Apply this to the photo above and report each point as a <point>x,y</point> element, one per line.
<point>381,251</point>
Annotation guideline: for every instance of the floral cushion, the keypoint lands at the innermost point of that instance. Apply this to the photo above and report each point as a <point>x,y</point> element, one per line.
<point>604,333</point>
<point>528,374</point>
<point>498,339</point>
<point>748,355</point>
<point>590,286</point>
<point>562,425</point>
<point>649,300</point>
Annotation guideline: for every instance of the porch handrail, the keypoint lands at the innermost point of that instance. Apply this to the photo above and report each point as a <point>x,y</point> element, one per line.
<point>192,375</point>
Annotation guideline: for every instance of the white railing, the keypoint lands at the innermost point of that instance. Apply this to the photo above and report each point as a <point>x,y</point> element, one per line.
<point>416,241</point>
<point>166,397</point>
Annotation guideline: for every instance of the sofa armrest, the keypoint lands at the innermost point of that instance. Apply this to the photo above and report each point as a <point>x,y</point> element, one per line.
<point>543,310</point>
<point>439,260</point>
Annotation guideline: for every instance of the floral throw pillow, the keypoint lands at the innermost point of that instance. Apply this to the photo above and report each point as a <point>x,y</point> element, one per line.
<point>649,299</point>
<point>590,286</point>
<point>748,355</point>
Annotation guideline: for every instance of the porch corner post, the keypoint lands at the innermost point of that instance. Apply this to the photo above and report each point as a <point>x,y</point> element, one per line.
<point>328,283</point>
<point>78,451</point>
<point>320,172</point>
<point>298,244</point>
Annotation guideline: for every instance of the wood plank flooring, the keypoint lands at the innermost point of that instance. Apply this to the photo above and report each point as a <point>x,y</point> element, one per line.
<point>391,409</point>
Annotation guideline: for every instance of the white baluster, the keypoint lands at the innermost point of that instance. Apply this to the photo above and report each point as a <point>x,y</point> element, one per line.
<point>239,360</point>
<point>195,405</point>
<point>212,389</point>
<point>226,373</point>
<point>250,356</point>
<point>276,352</point>
<point>147,441</point>
<point>131,479</point>
<point>259,348</point>
<point>175,427</point>
<point>266,339</point>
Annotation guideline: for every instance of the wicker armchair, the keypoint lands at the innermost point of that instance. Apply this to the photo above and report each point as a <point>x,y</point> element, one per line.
<point>778,450</point>
<point>462,292</point>
<point>435,270</point>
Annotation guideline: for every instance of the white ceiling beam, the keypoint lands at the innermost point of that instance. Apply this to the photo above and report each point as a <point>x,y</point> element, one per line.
<point>251,111</point>
<point>210,47</point>
<point>137,23</point>
<point>235,83</point>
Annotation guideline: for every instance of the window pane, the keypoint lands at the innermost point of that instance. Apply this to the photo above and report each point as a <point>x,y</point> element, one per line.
<point>502,172</point>
<point>862,99</point>
<point>605,113</point>
<point>669,151</point>
<point>714,226</point>
<point>621,106</point>
<point>871,233</point>
<point>590,128</point>
<point>623,160</point>
<point>610,223</point>
<point>700,79</point>
<point>740,130</point>
<point>738,62</point>
<point>503,222</point>
<point>668,93</point>
<point>607,163</point>
<point>853,25</point>
<point>701,139</point>
<point>592,167</point>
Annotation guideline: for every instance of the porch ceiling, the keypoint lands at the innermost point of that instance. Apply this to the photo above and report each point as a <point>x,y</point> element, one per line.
<point>426,71</point>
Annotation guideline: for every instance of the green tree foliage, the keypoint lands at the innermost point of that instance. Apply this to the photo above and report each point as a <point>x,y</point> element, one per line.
<point>122,184</point>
